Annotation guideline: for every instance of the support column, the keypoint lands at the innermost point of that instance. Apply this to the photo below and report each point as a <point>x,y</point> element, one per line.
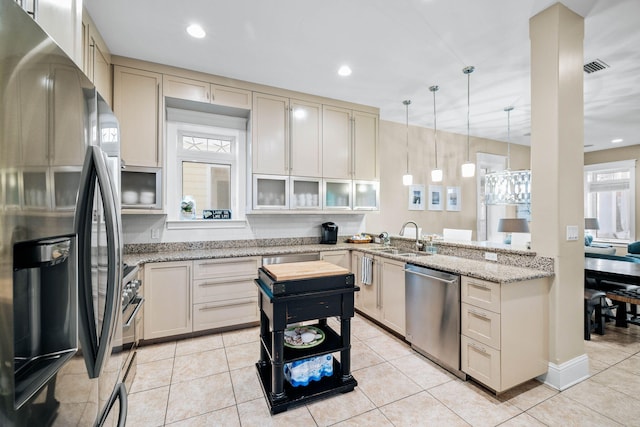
<point>557,163</point>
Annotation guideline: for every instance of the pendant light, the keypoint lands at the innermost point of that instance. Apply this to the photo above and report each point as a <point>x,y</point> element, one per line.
<point>468,168</point>
<point>407,179</point>
<point>436,174</point>
<point>508,187</point>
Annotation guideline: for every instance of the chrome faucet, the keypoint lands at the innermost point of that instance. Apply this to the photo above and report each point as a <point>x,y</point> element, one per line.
<point>419,245</point>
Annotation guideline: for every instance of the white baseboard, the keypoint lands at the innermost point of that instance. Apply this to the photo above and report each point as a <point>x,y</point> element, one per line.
<point>566,374</point>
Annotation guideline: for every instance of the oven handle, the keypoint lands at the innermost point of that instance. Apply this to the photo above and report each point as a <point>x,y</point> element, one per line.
<point>135,312</point>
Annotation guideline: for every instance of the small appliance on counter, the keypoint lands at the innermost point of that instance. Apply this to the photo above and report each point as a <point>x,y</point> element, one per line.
<point>329,234</point>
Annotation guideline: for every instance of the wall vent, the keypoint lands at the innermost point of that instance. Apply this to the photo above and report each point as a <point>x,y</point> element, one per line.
<point>594,66</point>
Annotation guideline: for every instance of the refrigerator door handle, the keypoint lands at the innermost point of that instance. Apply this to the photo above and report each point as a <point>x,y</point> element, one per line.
<point>119,393</point>
<point>97,349</point>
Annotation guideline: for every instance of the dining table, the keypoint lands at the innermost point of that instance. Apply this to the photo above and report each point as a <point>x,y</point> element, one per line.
<point>627,273</point>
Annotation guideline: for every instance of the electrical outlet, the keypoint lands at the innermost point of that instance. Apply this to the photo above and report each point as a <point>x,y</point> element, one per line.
<point>155,233</point>
<point>491,256</point>
<point>572,232</point>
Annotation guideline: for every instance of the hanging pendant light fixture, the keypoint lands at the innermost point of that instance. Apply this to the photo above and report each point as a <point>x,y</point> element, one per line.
<point>407,179</point>
<point>468,168</point>
<point>508,187</point>
<point>436,174</point>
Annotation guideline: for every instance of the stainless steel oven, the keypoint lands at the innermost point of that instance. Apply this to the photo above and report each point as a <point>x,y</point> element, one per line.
<point>132,302</point>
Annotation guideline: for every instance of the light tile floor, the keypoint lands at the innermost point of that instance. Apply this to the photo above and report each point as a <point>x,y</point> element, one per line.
<point>212,381</point>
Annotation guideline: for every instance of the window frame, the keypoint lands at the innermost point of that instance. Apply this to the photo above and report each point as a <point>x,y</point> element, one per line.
<point>629,165</point>
<point>195,123</point>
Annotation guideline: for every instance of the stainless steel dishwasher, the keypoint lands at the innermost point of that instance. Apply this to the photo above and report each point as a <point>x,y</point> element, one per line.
<point>433,315</point>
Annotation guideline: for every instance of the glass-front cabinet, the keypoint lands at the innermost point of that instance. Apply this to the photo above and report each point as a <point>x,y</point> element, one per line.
<point>306,193</point>
<point>337,194</point>
<point>270,192</point>
<point>366,195</point>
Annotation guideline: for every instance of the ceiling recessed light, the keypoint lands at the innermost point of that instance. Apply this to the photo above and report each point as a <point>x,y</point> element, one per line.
<point>344,71</point>
<point>196,31</point>
<point>615,141</point>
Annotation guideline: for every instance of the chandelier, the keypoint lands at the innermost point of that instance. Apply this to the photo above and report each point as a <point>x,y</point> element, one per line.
<point>508,187</point>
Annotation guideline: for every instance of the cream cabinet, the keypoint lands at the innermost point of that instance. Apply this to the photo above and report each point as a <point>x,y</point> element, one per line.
<point>367,300</point>
<point>286,136</point>
<point>96,63</point>
<point>504,331</point>
<point>349,144</point>
<point>224,292</point>
<point>341,258</point>
<point>168,299</point>
<point>195,90</point>
<point>392,294</point>
<point>383,298</point>
<point>136,102</point>
<point>62,20</point>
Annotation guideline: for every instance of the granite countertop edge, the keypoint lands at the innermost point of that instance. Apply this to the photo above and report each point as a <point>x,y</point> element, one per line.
<point>484,270</point>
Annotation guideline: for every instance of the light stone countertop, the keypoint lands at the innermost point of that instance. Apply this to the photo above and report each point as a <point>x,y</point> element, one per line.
<point>485,270</point>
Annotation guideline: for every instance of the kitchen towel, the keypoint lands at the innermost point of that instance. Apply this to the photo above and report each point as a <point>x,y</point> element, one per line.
<point>366,270</point>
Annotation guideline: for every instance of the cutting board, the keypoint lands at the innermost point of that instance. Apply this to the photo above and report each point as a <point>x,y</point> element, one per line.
<point>303,270</point>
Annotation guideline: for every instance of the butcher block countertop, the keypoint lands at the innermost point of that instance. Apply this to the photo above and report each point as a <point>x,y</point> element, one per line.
<point>303,270</point>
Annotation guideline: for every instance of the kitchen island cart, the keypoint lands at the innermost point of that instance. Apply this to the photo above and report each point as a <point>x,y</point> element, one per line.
<point>300,292</point>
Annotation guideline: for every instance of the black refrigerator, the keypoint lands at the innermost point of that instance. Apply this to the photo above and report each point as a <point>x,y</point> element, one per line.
<point>61,238</point>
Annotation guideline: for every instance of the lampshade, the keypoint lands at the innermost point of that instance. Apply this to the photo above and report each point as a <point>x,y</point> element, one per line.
<point>513,225</point>
<point>468,169</point>
<point>436,175</point>
<point>591,224</point>
<point>407,179</point>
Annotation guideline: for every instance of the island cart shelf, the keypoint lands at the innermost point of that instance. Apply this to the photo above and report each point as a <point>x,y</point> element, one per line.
<point>301,292</point>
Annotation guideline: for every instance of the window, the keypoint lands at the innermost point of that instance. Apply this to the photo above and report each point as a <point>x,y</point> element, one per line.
<point>206,156</point>
<point>609,196</point>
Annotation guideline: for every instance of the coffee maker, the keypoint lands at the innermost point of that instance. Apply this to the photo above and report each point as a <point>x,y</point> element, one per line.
<point>329,233</point>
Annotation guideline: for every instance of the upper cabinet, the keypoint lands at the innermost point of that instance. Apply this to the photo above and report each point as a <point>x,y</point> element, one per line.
<point>287,136</point>
<point>62,20</point>
<point>194,90</point>
<point>350,142</point>
<point>97,59</point>
<point>136,103</point>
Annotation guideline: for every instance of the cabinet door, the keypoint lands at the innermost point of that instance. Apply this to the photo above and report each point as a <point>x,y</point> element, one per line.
<point>101,71</point>
<point>336,142</point>
<point>136,101</point>
<point>306,139</point>
<point>230,97</point>
<point>368,299</point>
<point>62,20</point>
<point>179,87</point>
<point>270,137</point>
<point>68,137</point>
<point>341,258</point>
<point>167,291</point>
<point>365,146</point>
<point>393,294</point>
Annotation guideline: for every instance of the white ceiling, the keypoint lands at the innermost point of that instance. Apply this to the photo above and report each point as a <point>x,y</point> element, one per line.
<point>397,49</point>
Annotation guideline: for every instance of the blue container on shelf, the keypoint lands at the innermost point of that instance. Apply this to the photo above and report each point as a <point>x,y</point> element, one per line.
<point>301,372</point>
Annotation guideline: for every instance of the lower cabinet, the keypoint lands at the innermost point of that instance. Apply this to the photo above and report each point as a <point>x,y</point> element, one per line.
<point>167,291</point>
<point>504,338</point>
<point>224,292</point>
<point>382,298</point>
<point>190,296</point>
<point>341,258</point>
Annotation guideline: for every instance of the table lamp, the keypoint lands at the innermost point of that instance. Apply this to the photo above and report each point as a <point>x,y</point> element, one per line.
<point>512,225</point>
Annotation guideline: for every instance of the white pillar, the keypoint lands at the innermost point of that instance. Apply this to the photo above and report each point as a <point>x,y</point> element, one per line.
<point>557,163</point>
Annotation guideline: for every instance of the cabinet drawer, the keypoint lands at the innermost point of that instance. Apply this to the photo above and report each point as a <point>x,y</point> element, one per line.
<point>481,325</point>
<point>209,290</point>
<point>480,362</point>
<point>225,313</point>
<point>226,268</point>
<point>481,293</point>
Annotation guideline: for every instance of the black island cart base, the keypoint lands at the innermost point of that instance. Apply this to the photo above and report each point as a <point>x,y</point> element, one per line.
<point>300,292</point>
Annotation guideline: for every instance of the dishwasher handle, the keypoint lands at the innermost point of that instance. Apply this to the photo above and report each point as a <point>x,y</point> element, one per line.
<point>454,280</point>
